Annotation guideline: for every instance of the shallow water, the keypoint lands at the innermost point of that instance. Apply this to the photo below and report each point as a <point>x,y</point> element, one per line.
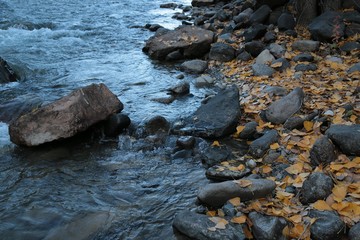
<point>91,189</point>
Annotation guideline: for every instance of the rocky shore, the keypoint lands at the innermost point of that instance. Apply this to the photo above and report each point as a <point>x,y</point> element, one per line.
<point>280,138</point>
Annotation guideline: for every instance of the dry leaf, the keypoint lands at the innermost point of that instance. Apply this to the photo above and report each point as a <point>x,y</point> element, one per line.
<point>274,146</point>
<point>215,144</point>
<point>235,201</point>
<point>266,169</point>
<point>239,220</point>
<point>321,205</point>
<point>308,125</point>
<point>339,192</point>
<point>243,182</point>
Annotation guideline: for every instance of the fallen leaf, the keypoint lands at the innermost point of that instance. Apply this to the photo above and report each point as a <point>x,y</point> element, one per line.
<point>239,220</point>
<point>339,192</point>
<point>296,218</point>
<point>295,168</point>
<point>266,169</point>
<point>243,182</point>
<point>215,144</point>
<point>235,201</point>
<point>308,125</point>
<point>321,205</point>
<point>274,146</point>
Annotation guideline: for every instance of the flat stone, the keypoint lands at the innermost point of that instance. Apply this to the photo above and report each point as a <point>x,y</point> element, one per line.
<point>303,57</point>
<point>220,173</point>
<point>305,67</point>
<point>347,138</point>
<point>204,81</point>
<point>317,186</point>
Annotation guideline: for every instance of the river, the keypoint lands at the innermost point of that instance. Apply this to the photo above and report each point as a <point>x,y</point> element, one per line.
<point>91,189</point>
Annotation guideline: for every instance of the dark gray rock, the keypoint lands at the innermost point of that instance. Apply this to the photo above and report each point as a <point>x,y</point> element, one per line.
<point>254,32</point>
<point>259,147</point>
<point>354,233</point>
<point>210,156</point>
<point>284,64</point>
<point>168,5</point>
<point>265,57</point>
<point>115,124</point>
<point>65,117</point>
<point>153,27</point>
<point>303,57</point>
<point>185,142</point>
<point>192,41</point>
<point>286,22</point>
<point>194,66</point>
<point>269,37</point>
<point>271,3</point>
<point>174,56</point>
<point>204,81</point>
<point>275,90</point>
<point>213,173</point>
<point>352,29</point>
<point>267,227</point>
<point>317,186</point>
<point>347,138</point>
<point>323,152</point>
<point>277,50</point>
<point>181,88</point>
<point>306,45</point>
<point>254,48</point>
<point>348,47</point>
<point>354,68</point>
<point>249,131</point>
<point>244,56</point>
<point>216,118</point>
<point>222,52</point>
<point>262,70</point>
<point>216,194</point>
<point>6,73</point>
<point>196,226</point>
<point>153,126</point>
<point>260,15</point>
<point>305,67</point>
<point>328,225</point>
<point>282,109</point>
<point>326,25</point>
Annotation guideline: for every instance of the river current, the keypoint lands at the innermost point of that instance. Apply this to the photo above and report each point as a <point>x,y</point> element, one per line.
<point>91,189</point>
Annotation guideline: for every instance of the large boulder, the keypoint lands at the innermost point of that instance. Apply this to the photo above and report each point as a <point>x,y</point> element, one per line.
<point>193,42</point>
<point>216,118</point>
<point>65,117</point>
<point>327,26</point>
<point>6,73</point>
<point>347,138</point>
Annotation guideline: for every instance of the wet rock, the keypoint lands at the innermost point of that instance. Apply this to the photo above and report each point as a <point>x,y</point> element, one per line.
<point>115,124</point>
<point>216,118</point>
<point>259,147</point>
<point>303,57</point>
<point>262,70</point>
<point>306,67</point>
<point>181,88</point>
<point>21,105</point>
<point>243,18</point>
<point>174,56</point>
<point>254,48</point>
<point>192,41</point>
<point>347,138</point>
<point>354,233</point>
<point>280,110</point>
<point>277,50</point>
<point>196,226</point>
<point>249,131</point>
<point>260,15</point>
<point>204,81</point>
<point>328,225</point>
<point>168,5</point>
<point>194,66</point>
<point>65,117</point>
<point>280,64</point>
<point>216,194</point>
<point>265,57</point>
<point>324,26</point>
<point>350,46</point>
<point>219,173</point>
<point>166,99</point>
<point>354,68</point>
<point>254,32</point>
<point>154,126</point>
<point>222,52</point>
<point>267,227</point>
<point>6,73</point>
<point>306,45</point>
<point>286,22</point>
<point>210,156</point>
<point>153,27</point>
<point>323,152</point>
<point>185,142</point>
<point>317,186</point>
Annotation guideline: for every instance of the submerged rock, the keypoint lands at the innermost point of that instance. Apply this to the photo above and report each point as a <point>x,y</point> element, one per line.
<point>115,124</point>
<point>6,73</point>
<point>65,117</point>
<point>347,138</point>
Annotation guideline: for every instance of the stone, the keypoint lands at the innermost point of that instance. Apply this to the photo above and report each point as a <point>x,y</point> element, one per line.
<point>214,119</point>
<point>193,41</point>
<point>348,47</point>
<point>194,66</point>
<point>168,5</point>
<point>279,111</point>
<point>196,226</point>
<point>324,27</point>
<point>277,50</point>
<point>201,3</point>
<point>65,117</point>
<point>186,142</point>
<point>204,80</point>
<point>254,48</point>
<point>181,88</point>
<point>354,68</point>
<point>269,37</point>
<point>174,56</point>
<point>354,232</point>
<point>275,90</point>
<point>153,27</point>
<point>323,152</point>
<point>216,194</point>
<point>214,173</point>
<point>249,131</point>
<point>244,56</point>
<point>286,22</point>
<point>254,32</point>
<point>265,57</point>
<point>262,70</point>
<point>280,64</point>
<point>212,155</point>
<point>305,67</point>
<point>347,138</point>
<point>260,146</point>
<point>303,57</point>
<point>153,125</point>
<point>306,45</point>
<point>271,3</point>
<point>260,15</point>
<point>6,72</point>
<point>222,52</point>
<point>317,186</point>
<point>352,29</point>
<point>328,225</point>
<point>115,124</point>
<point>267,227</point>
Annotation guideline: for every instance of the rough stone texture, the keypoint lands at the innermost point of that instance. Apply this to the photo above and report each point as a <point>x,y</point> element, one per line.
<point>65,117</point>
<point>323,27</point>
<point>115,124</point>
<point>306,45</point>
<point>254,48</point>
<point>354,233</point>
<point>317,186</point>
<point>254,32</point>
<point>260,15</point>
<point>259,147</point>
<point>280,110</point>
<point>323,152</point>
<point>216,118</point>
<point>192,41</point>
<point>204,81</point>
<point>216,194</point>
<point>267,227</point>
<point>262,70</point>
<point>265,57</point>
<point>286,22</point>
<point>6,73</point>
<point>347,138</point>
<point>182,88</point>
<point>153,125</point>
<point>222,52</point>
<point>194,66</point>
<point>196,226</point>
<point>328,225</point>
<point>214,174</point>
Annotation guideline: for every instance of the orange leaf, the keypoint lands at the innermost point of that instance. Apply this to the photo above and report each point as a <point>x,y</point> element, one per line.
<point>215,144</point>
<point>321,205</point>
<point>235,201</point>
<point>274,146</point>
<point>295,168</point>
<point>266,169</point>
<point>241,167</point>
<point>308,125</point>
<point>296,218</point>
<point>239,220</point>
<point>243,182</point>
<point>339,192</point>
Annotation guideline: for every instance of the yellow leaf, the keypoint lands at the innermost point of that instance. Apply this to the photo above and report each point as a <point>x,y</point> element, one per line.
<point>211,213</point>
<point>215,144</point>
<point>339,192</point>
<point>336,167</point>
<point>239,220</point>
<point>243,182</point>
<point>308,125</point>
<point>220,213</point>
<point>276,65</point>
<point>220,225</point>
<point>296,218</point>
<point>353,118</point>
<point>235,201</point>
<point>295,168</point>
<point>239,129</point>
<point>274,146</point>
<point>321,205</point>
<point>266,169</point>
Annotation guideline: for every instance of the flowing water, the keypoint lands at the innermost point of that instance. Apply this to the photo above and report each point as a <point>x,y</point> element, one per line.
<point>90,189</point>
